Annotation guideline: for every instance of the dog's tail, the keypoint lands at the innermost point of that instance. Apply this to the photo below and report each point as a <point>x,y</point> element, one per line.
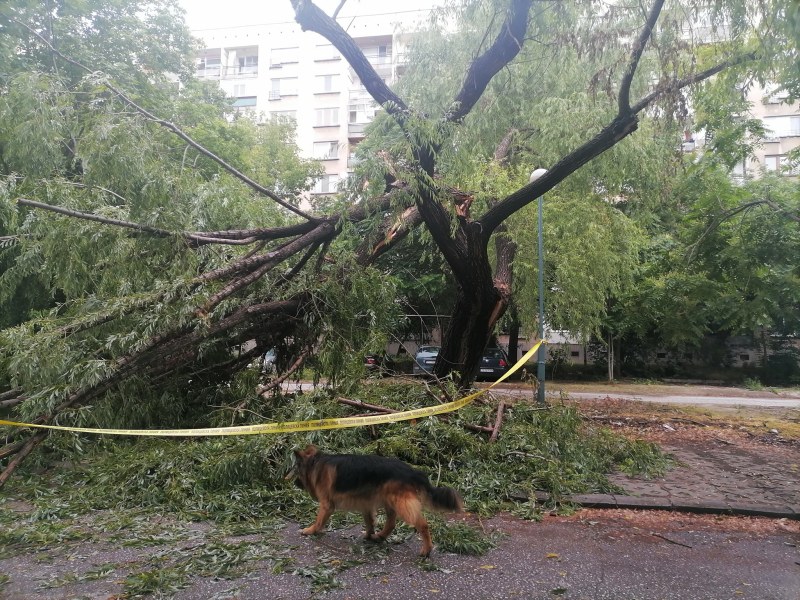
<point>445,498</point>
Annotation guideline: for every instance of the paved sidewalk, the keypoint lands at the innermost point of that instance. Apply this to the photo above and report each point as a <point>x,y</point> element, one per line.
<point>716,477</point>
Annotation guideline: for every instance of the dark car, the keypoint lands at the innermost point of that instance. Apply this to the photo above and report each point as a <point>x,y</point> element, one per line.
<point>494,364</point>
<point>379,364</point>
<point>424,360</point>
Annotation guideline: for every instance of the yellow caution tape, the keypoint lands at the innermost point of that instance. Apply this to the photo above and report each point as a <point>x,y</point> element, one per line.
<point>294,426</point>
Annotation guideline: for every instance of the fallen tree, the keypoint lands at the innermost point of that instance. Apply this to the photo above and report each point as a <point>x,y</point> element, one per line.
<point>288,281</point>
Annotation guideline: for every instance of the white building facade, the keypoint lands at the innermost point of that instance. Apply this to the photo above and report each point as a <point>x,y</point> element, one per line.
<point>278,71</point>
<point>781,121</point>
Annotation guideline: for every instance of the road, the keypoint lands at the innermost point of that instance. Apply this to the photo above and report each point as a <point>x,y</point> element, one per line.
<point>697,395</point>
<point>767,401</point>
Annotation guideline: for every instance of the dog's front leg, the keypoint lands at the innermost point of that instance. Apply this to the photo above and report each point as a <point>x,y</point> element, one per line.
<point>323,514</point>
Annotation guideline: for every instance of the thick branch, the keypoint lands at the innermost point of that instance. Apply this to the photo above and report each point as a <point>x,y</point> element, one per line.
<point>194,238</point>
<point>623,125</point>
<point>437,220</point>
<point>395,229</point>
<point>311,18</point>
<point>610,135</point>
<point>261,233</point>
<point>32,442</point>
<point>320,233</point>
<point>505,47</point>
<point>690,80</point>
<point>624,99</point>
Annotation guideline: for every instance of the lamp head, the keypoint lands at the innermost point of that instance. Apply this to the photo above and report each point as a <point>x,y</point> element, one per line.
<point>536,174</point>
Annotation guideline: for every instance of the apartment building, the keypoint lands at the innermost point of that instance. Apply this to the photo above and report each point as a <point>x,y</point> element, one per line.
<point>781,121</point>
<point>278,71</point>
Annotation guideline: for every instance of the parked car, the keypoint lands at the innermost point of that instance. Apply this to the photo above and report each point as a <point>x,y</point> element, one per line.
<point>268,361</point>
<point>494,364</point>
<point>424,360</point>
<point>379,364</point>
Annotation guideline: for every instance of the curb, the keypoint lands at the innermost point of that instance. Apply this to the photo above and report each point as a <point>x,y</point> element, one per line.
<point>714,507</point>
<point>708,507</point>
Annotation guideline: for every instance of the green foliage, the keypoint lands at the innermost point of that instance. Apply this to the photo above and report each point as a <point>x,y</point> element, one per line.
<point>108,491</point>
<point>460,538</point>
<point>725,267</point>
<point>77,296</point>
<point>753,384</point>
<point>355,310</point>
<point>242,479</point>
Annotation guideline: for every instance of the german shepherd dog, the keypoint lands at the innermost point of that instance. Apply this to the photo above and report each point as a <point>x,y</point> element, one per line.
<point>366,483</point>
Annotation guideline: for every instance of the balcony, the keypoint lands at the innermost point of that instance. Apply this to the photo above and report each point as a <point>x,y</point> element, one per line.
<point>210,72</point>
<point>240,72</point>
<point>356,130</point>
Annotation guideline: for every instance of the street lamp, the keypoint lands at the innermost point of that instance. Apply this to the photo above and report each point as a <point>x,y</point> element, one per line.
<point>540,370</point>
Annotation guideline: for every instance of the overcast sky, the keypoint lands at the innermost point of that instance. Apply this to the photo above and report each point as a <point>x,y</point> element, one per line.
<point>210,14</point>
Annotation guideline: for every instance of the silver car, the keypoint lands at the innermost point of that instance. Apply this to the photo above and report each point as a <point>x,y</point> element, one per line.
<point>424,360</point>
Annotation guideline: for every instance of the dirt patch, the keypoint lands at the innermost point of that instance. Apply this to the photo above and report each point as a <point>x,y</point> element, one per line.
<point>664,389</point>
<point>667,423</point>
<point>661,521</point>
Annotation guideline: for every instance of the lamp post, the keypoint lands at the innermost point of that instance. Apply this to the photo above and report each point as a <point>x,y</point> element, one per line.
<point>540,355</point>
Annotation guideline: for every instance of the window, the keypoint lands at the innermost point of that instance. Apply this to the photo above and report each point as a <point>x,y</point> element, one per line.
<point>774,94</point>
<point>326,150</point>
<point>208,66</point>
<point>328,184</point>
<point>284,86</point>
<point>284,115</point>
<point>781,164</point>
<point>239,89</point>
<point>783,126</point>
<point>744,357</point>
<point>771,162</point>
<point>283,56</point>
<point>326,52</point>
<point>244,101</point>
<point>661,355</point>
<point>247,66</point>
<point>327,84</point>
<point>360,113</point>
<point>327,117</point>
<point>575,353</point>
